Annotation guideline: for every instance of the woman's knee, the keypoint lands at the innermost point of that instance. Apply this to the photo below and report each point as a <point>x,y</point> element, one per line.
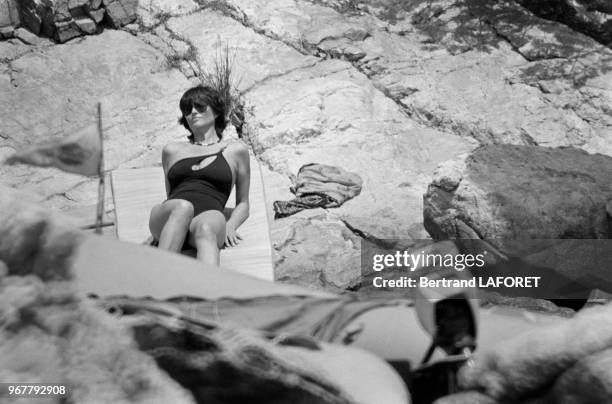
<point>204,231</point>
<point>209,227</point>
<point>180,209</point>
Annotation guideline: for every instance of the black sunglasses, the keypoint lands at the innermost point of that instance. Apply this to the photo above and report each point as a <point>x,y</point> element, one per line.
<point>200,107</point>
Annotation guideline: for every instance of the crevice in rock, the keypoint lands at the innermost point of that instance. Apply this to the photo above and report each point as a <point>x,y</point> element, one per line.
<point>504,38</point>
<point>278,75</point>
<point>382,243</point>
<point>31,49</point>
<point>11,74</point>
<point>190,57</point>
<point>63,194</point>
<point>527,138</point>
<point>240,17</point>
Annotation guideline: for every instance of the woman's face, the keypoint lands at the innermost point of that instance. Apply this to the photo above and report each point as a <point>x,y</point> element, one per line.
<point>201,117</point>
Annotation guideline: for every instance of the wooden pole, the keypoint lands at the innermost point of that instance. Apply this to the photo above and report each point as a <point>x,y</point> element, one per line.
<point>100,209</point>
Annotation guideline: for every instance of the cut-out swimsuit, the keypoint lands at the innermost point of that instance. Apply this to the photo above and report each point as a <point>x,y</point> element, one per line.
<point>207,188</point>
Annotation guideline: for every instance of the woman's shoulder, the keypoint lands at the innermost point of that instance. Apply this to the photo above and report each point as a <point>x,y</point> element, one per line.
<point>237,146</point>
<point>171,151</point>
<point>173,147</point>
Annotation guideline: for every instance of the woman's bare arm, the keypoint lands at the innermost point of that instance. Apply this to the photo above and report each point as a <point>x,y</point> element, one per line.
<point>243,182</point>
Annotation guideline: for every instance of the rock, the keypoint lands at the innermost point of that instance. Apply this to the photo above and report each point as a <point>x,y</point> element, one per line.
<point>37,16</point>
<point>61,11</point>
<point>9,14</point>
<point>333,261</point>
<point>120,12</point>
<point>7,32</point>
<point>94,4</point>
<point>97,15</point>
<point>342,49</point>
<point>34,244</point>
<point>457,66</point>
<point>10,50</point>
<point>27,37</point>
<point>42,311</point>
<point>257,57</point>
<point>78,8</point>
<point>299,22</point>
<point>86,25</point>
<point>467,397</point>
<point>66,30</point>
<point>356,33</point>
<point>512,192</point>
<point>542,208</point>
<point>588,381</point>
<point>528,365</point>
<point>588,18</point>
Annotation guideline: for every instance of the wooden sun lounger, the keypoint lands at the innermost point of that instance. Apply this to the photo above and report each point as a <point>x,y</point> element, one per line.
<point>137,190</point>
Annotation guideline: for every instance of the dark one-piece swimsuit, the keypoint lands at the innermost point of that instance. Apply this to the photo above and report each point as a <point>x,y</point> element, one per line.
<point>207,188</point>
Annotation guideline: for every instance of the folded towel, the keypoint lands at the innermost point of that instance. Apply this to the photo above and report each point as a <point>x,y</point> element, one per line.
<point>319,185</point>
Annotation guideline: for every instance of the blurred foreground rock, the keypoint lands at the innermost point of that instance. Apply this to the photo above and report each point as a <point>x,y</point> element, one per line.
<point>49,332</point>
<point>568,362</point>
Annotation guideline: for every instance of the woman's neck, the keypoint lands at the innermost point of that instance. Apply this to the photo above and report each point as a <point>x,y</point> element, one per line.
<point>207,137</point>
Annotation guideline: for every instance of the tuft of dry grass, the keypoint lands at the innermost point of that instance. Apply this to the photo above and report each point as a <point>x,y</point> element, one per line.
<point>221,77</point>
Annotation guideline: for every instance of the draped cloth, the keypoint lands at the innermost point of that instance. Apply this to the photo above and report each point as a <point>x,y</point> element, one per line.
<point>211,347</point>
<point>319,185</point>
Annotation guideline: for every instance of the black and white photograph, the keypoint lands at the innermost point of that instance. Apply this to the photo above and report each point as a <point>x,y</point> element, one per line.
<point>305,201</point>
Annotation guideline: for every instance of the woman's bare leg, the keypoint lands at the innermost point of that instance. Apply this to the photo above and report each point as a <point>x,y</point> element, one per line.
<point>207,234</point>
<point>169,223</point>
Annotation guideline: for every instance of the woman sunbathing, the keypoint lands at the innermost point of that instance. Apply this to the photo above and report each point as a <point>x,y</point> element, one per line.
<point>199,177</point>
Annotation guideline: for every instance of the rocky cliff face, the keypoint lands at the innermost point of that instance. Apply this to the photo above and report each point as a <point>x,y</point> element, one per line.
<point>63,20</point>
<point>383,88</point>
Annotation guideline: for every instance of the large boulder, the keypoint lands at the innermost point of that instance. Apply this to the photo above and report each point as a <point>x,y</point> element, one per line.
<point>513,192</point>
<point>541,209</point>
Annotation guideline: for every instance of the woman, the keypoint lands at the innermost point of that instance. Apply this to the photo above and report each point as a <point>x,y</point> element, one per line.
<point>199,177</point>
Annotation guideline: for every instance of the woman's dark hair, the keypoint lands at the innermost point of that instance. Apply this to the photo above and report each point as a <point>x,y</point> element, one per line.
<point>206,96</point>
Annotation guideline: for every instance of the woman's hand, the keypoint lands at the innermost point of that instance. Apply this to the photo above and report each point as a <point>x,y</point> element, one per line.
<point>231,237</point>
